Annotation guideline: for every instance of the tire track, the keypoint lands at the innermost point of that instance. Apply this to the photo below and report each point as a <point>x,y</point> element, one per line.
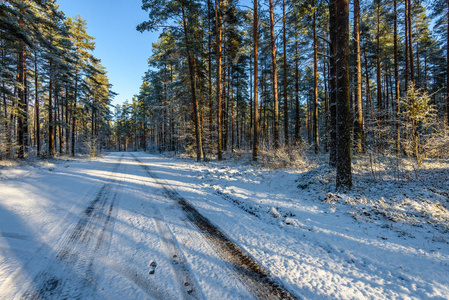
<point>185,282</point>
<point>72,272</point>
<point>250,272</point>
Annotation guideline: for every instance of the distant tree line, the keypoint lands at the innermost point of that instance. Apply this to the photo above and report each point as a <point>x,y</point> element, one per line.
<point>54,94</point>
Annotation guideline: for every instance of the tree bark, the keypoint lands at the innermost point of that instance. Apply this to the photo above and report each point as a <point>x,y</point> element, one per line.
<point>359,120</point>
<point>297,119</point>
<point>36,107</point>
<point>344,173</point>
<point>74,113</point>
<point>285,76</point>
<point>396,79</point>
<point>378,68</point>
<point>21,95</point>
<point>219,35</point>
<point>275,81</point>
<point>447,66</point>
<point>410,42</point>
<point>51,143</point>
<point>191,63</point>
<point>256,83</point>
<point>333,84</point>
<point>316,144</point>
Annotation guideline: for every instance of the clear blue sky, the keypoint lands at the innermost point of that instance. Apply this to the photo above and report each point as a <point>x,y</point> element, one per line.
<point>123,50</point>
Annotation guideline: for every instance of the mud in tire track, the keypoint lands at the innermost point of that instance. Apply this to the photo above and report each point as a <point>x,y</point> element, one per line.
<point>72,273</point>
<point>261,283</point>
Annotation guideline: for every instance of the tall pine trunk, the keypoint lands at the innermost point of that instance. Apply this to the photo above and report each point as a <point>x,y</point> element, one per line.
<point>396,79</point>
<point>284,39</point>
<point>333,84</point>
<point>316,144</point>
<point>256,82</point>
<point>21,93</point>
<point>192,67</point>
<point>359,127</point>
<point>344,173</point>
<point>219,36</point>
<point>378,67</point>
<point>36,107</point>
<point>275,81</point>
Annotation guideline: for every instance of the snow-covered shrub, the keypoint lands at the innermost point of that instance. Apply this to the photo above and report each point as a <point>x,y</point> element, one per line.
<point>437,144</point>
<point>286,157</point>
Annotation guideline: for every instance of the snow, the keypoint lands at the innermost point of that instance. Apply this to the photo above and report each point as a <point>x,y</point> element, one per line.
<point>105,229</point>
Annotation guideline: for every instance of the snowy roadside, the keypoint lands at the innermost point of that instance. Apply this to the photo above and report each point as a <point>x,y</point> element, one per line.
<point>386,238</point>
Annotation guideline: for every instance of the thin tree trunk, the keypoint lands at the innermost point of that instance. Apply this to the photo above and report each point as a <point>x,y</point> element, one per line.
<point>275,81</point>
<point>359,120</point>
<point>251,108</point>
<point>410,42</point>
<point>285,76</point>
<point>316,144</point>
<point>378,68</point>
<point>74,113</point>
<point>21,95</point>
<point>219,36</point>
<point>36,107</point>
<point>67,120</point>
<point>256,83</point>
<point>297,120</point>
<point>406,46</point>
<point>209,70</point>
<point>333,84</point>
<point>51,145</point>
<point>447,66</point>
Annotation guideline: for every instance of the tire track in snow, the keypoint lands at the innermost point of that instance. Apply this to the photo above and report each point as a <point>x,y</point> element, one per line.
<point>252,274</point>
<point>72,273</point>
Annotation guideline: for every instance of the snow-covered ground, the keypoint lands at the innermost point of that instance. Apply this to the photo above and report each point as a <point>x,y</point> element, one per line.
<point>112,228</point>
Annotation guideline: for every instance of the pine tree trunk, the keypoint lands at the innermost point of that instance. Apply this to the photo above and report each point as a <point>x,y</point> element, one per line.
<point>21,96</point>
<point>191,63</point>
<point>275,81</point>
<point>209,71</point>
<point>410,42</point>
<point>359,120</point>
<point>36,107</point>
<point>251,107</point>
<point>447,66</point>
<point>406,46</point>
<point>256,83</point>
<point>74,113</point>
<point>378,68</point>
<point>285,76</point>
<point>333,84</point>
<point>51,144</point>
<point>219,36</point>
<point>344,173</point>
<point>297,120</point>
<point>316,144</point>
<point>67,120</point>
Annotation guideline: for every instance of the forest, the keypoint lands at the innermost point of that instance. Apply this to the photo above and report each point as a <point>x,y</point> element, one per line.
<point>55,94</point>
<point>226,76</point>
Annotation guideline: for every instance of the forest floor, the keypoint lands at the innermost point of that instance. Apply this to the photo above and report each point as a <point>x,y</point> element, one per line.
<point>140,226</point>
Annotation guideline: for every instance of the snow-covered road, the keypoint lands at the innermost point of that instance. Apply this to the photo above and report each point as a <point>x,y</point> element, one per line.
<point>112,229</point>
<point>136,226</point>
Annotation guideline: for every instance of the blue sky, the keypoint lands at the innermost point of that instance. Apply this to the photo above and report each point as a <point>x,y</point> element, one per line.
<point>123,50</point>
